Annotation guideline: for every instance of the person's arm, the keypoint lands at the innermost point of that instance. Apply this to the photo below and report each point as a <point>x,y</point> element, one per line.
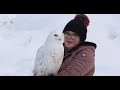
<point>81,65</point>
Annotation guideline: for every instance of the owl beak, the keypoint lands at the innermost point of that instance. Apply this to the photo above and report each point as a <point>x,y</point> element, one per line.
<point>60,39</point>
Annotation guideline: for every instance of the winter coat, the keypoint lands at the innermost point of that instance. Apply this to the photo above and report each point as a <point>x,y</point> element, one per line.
<point>80,61</point>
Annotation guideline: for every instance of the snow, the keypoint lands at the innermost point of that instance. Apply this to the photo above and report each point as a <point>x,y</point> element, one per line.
<point>20,40</point>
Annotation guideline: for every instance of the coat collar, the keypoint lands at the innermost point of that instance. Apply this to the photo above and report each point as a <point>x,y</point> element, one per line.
<point>68,53</point>
<point>81,44</point>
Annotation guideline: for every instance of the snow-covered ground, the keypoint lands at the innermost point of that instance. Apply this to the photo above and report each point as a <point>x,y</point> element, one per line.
<point>22,34</point>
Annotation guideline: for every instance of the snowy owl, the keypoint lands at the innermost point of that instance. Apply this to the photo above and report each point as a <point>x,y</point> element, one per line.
<point>49,57</point>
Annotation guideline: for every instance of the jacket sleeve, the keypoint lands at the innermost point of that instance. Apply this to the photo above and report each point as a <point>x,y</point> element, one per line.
<point>81,65</point>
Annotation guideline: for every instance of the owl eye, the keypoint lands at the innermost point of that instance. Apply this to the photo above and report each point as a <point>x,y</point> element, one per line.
<point>55,35</point>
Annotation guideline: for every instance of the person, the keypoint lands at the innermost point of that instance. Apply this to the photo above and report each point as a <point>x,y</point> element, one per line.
<point>79,54</point>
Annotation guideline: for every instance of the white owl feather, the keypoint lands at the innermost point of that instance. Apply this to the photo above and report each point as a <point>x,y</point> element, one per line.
<point>49,57</point>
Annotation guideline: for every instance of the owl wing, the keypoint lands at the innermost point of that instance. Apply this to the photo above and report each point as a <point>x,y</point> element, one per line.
<point>39,61</point>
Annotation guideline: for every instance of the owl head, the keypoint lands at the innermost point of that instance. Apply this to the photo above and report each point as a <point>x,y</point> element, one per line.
<point>55,36</point>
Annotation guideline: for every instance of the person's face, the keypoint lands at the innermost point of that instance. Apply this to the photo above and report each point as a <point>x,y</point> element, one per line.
<point>71,39</point>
